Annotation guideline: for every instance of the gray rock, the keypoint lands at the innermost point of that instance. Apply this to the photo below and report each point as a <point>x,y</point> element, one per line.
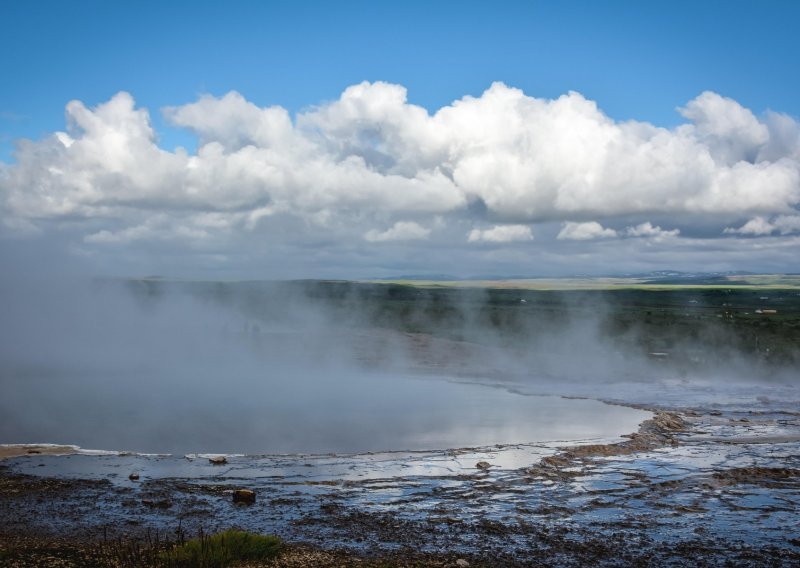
<point>246,496</point>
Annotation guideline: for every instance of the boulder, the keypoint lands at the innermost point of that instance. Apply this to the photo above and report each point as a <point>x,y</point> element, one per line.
<point>246,496</point>
<point>218,460</point>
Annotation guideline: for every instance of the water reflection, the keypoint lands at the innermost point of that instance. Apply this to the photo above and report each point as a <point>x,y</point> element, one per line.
<point>293,412</point>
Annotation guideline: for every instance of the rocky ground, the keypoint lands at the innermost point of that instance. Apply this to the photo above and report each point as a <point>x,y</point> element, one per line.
<point>713,487</point>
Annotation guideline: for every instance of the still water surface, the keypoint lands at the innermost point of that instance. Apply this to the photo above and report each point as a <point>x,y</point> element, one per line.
<point>296,413</point>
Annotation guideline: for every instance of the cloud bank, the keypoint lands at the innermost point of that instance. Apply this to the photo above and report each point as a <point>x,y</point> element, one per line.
<point>371,167</point>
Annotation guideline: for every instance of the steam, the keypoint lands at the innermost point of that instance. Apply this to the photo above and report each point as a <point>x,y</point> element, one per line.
<point>156,365</point>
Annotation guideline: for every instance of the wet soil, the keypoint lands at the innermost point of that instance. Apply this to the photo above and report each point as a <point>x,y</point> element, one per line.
<point>673,493</point>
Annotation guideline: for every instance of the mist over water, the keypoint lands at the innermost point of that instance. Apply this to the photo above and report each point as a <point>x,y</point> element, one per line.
<point>95,366</point>
<point>153,366</point>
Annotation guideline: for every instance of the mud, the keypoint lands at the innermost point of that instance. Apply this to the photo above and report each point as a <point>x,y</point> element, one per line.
<point>672,493</point>
<point>17,450</point>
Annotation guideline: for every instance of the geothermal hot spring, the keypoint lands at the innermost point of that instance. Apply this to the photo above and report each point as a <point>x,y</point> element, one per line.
<point>298,414</point>
<point>181,377</point>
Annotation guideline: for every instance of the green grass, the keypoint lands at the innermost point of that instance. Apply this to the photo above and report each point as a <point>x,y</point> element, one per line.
<point>223,549</point>
<point>153,550</point>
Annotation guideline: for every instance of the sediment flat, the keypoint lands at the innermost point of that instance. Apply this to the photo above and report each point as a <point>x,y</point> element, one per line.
<point>669,494</point>
<point>17,450</point>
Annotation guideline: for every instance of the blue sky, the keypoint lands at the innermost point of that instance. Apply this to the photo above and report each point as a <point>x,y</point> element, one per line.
<point>490,211</point>
<point>639,60</point>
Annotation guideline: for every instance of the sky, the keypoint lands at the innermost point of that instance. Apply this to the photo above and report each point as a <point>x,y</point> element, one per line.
<point>378,139</point>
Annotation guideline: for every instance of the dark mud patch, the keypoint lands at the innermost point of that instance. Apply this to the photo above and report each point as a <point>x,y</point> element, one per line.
<point>27,486</point>
<point>764,476</point>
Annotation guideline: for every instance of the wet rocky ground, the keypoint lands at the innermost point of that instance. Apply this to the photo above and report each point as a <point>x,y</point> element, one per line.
<point>699,485</point>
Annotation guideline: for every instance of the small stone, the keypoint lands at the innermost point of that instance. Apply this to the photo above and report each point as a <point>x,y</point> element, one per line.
<point>483,465</point>
<point>461,563</point>
<point>133,476</point>
<point>218,460</point>
<point>244,496</point>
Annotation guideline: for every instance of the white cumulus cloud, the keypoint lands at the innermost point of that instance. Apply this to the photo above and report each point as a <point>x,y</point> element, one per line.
<point>501,234</point>
<point>761,226</point>
<point>584,231</point>
<point>731,132</point>
<point>400,231</point>
<point>647,230</point>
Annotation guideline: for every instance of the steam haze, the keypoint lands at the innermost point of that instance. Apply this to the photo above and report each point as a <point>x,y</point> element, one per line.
<point>274,367</point>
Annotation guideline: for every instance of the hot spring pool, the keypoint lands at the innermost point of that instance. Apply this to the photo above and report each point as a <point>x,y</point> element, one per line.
<point>294,412</point>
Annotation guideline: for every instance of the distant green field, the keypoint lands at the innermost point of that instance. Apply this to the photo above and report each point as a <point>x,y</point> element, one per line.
<point>753,282</point>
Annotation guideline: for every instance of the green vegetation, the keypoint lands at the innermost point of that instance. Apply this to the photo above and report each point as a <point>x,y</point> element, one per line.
<point>223,549</point>
<point>227,548</point>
